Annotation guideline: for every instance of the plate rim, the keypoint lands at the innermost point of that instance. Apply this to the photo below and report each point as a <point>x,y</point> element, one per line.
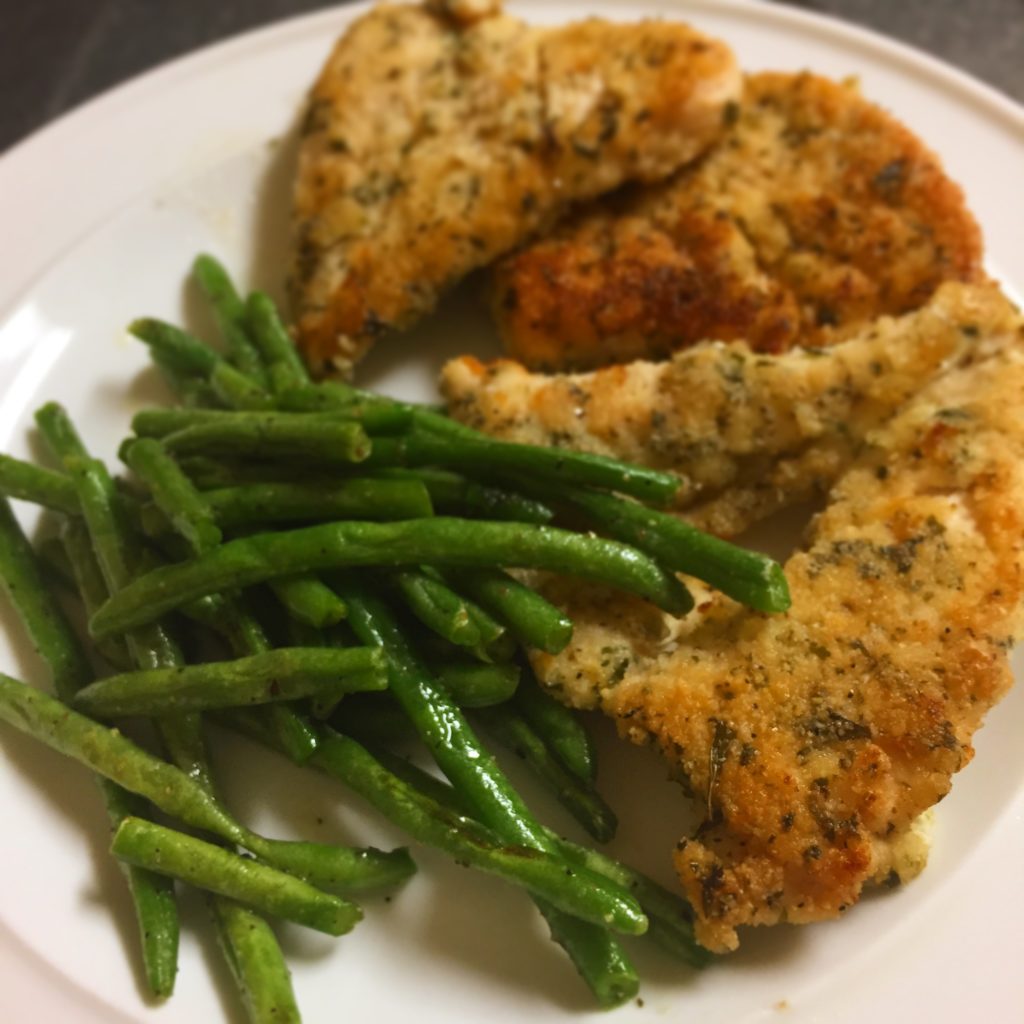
<point>138,90</point>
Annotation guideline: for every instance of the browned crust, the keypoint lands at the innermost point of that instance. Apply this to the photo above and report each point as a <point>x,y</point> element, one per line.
<point>433,147</point>
<point>817,212</point>
<point>815,738</point>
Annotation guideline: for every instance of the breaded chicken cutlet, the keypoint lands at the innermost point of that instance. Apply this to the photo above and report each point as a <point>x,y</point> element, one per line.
<point>440,137</point>
<point>816,737</point>
<point>814,214</point>
<point>747,433</point>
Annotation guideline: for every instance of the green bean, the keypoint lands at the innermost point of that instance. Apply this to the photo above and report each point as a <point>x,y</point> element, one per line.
<point>54,564</point>
<point>275,344</point>
<point>32,483</point>
<point>357,498</point>
<point>457,835</point>
<point>189,355</point>
<point>174,494</point>
<point>150,646</point>
<point>439,540</point>
<point>246,637</point>
<point>579,798</point>
<point>218,474</point>
<point>532,619</point>
<point>670,915</point>
<point>248,943</point>
<point>600,960</point>
<point>276,435</point>
<point>496,643</point>
<point>558,727</point>
<point>217,870</point>
<point>437,825</point>
<point>229,312</point>
<point>88,581</point>
<point>55,640</point>
<point>257,964</point>
<point>378,420</point>
<point>110,754</point>
<point>671,919</point>
<point>309,600</point>
<point>478,686</point>
<point>453,494</point>
<point>192,392</point>
<point>476,454</point>
<point>59,432</point>
<point>159,422</point>
<point>281,674</point>
<point>437,606</point>
<point>594,951</point>
<point>44,620</point>
<point>297,734</point>
<point>375,718</point>
<point>747,576</point>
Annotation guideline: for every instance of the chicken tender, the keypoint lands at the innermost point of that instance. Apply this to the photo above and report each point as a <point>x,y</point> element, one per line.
<point>440,137</point>
<point>814,739</point>
<point>816,213</point>
<point>720,415</point>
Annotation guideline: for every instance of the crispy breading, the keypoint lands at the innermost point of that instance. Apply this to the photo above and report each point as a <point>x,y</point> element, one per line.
<point>815,738</point>
<point>720,415</point>
<point>814,214</point>
<point>437,140</point>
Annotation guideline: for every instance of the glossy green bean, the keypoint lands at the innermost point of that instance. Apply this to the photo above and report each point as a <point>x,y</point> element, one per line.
<point>670,915</point>
<point>438,607</point>
<point>281,674</point>
<point>218,870</point>
<point>578,797</point>
<point>532,619</point>
<point>671,919</point>
<point>473,771</point>
<point>747,576</point>
<point>437,825</point>
<point>439,541</point>
<point>559,727</point>
<point>478,686</point>
<point>476,454</point>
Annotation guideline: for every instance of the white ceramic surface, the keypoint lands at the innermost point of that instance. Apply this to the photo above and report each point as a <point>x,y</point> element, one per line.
<point>102,213</point>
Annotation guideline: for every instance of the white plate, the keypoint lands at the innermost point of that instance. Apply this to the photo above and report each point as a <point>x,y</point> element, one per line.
<point>102,214</point>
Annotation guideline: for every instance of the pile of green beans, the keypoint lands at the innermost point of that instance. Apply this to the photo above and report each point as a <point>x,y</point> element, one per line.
<point>332,573</point>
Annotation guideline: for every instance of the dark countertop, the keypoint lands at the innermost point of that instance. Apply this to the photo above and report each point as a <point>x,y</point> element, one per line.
<point>54,54</point>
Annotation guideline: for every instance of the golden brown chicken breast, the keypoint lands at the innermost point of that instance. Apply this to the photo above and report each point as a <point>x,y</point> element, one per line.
<point>746,432</point>
<point>814,214</point>
<point>814,739</point>
<point>439,138</point>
